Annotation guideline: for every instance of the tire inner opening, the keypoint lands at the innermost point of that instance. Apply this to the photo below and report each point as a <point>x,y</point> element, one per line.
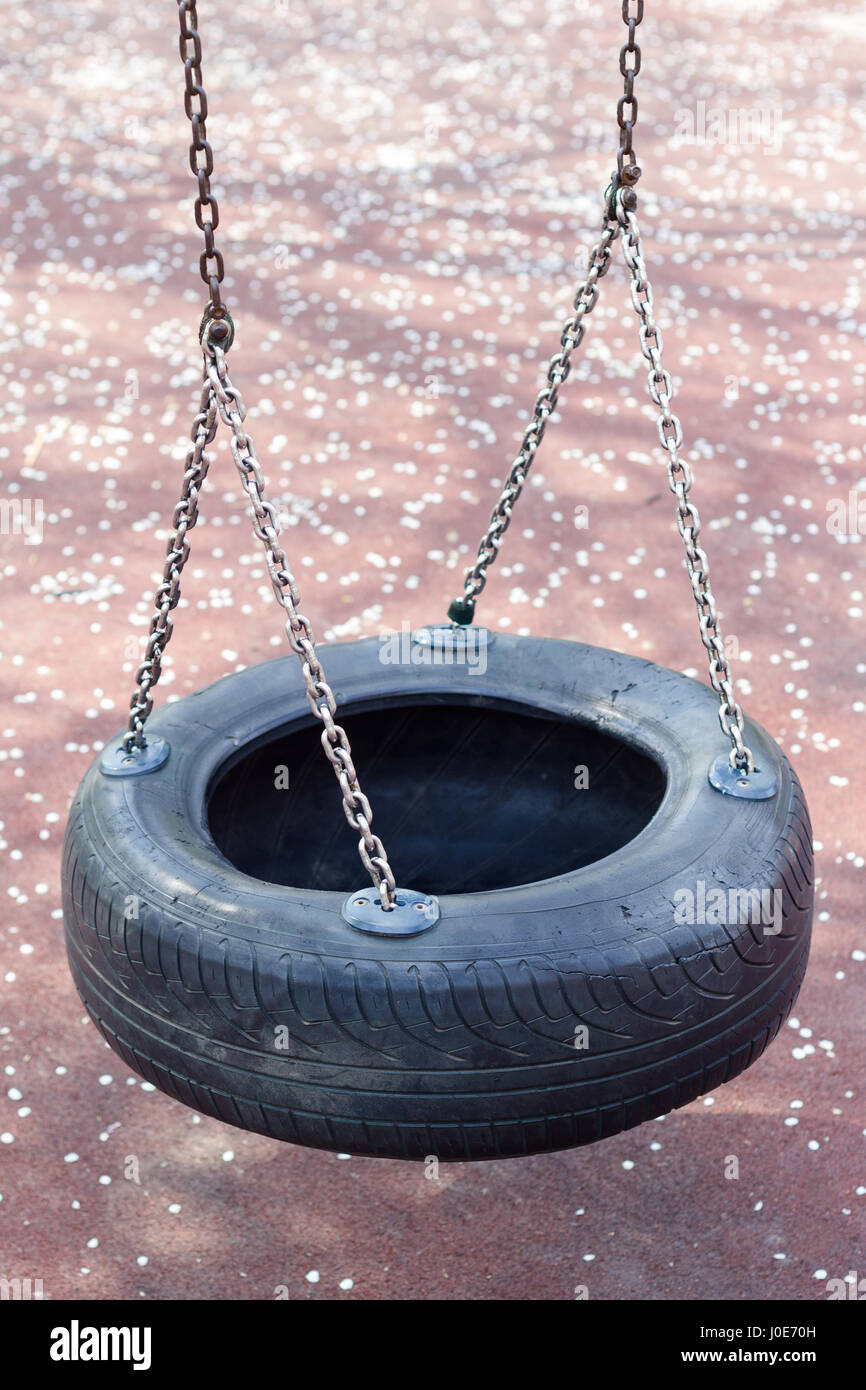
<point>466,798</point>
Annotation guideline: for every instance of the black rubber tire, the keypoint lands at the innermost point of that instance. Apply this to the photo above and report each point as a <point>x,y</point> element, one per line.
<point>459,1042</point>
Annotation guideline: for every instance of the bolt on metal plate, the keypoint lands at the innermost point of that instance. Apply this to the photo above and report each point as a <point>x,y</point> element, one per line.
<point>757,785</point>
<point>119,761</point>
<point>445,637</point>
<point>413,914</point>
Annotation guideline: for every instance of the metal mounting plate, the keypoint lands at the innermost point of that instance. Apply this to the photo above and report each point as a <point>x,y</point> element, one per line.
<point>758,785</point>
<point>414,913</point>
<point>456,641</point>
<point>117,761</point>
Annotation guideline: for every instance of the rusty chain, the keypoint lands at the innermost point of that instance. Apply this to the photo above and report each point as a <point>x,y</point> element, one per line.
<point>627,169</point>
<point>207,213</point>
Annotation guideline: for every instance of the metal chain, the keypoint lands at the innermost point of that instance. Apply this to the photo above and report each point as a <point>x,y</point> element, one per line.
<point>680,480</point>
<point>627,170</point>
<point>221,400</point>
<point>207,216</point>
<point>627,173</point>
<point>177,553</point>
<point>462,609</point>
<point>620,201</point>
<point>320,697</point>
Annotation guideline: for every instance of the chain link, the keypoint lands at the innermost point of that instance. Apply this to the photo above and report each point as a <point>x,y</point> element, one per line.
<point>680,479</point>
<point>558,368</point>
<point>320,697</point>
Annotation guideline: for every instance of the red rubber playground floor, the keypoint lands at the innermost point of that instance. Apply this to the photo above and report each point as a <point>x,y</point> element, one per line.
<point>404,190</point>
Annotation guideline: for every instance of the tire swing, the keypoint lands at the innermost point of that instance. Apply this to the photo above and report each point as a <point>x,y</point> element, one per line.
<point>560,961</point>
